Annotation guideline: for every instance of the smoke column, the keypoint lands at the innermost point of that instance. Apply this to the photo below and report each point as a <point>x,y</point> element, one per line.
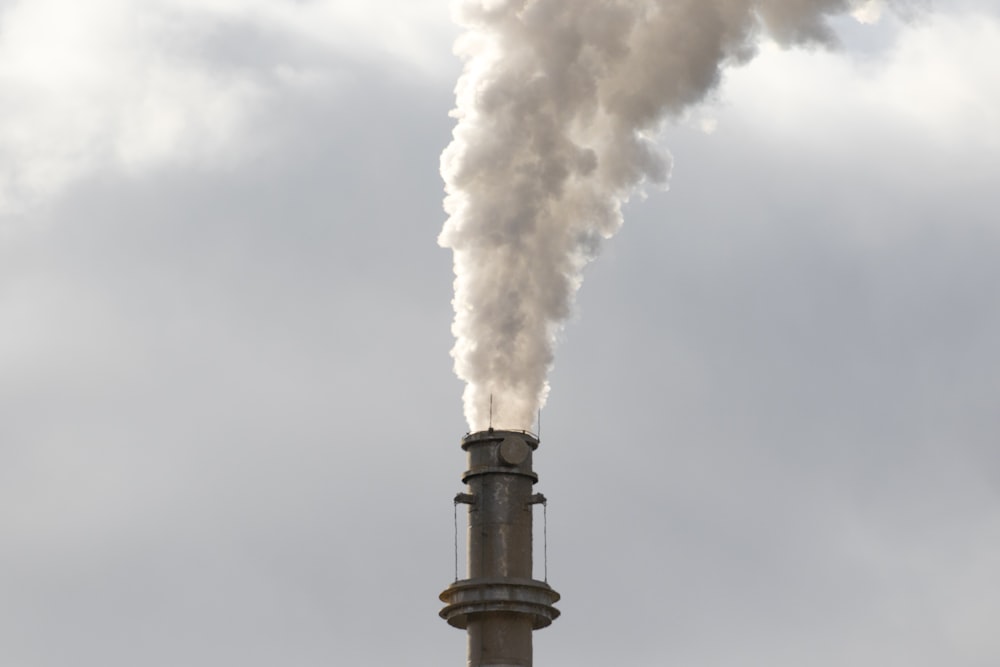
<point>558,108</point>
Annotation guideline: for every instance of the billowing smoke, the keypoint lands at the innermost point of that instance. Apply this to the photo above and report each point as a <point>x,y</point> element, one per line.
<point>558,108</point>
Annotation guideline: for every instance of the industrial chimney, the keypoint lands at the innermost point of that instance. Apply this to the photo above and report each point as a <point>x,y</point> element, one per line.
<point>499,603</point>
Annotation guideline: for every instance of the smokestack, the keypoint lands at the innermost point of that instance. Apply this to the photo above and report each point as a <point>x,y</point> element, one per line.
<point>500,603</point>
<point>558,112</point>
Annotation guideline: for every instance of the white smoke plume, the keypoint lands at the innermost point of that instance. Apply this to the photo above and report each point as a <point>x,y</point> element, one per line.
<point>558,108</point>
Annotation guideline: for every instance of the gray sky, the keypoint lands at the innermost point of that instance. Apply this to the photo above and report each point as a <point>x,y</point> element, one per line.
<point>228,423</point>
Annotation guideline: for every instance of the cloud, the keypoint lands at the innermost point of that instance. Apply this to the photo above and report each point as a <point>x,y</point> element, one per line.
<point>869,12</point>
<point>935,79</point>
<point>102,86</point>
<point>124,86</point>
<point>919,111</point>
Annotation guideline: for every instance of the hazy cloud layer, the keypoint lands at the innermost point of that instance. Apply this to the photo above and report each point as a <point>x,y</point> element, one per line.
<point>125,86</point>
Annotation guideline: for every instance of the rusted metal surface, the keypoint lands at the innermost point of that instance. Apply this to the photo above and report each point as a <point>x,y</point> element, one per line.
<point>499,604</point>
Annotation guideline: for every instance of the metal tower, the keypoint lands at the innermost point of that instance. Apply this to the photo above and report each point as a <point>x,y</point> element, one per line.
<point>500,603</point>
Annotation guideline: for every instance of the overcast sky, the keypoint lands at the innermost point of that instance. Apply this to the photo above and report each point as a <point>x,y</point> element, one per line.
<point>229,426</point>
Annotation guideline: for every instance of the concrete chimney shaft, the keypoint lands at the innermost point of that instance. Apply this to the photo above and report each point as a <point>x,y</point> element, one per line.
<point>499,604</point>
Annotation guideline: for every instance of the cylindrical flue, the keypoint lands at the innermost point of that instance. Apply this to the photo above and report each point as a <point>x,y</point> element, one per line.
<point>500,602</point>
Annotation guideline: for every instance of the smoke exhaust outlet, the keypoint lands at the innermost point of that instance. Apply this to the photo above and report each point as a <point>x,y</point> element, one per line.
<point>499,604</point>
